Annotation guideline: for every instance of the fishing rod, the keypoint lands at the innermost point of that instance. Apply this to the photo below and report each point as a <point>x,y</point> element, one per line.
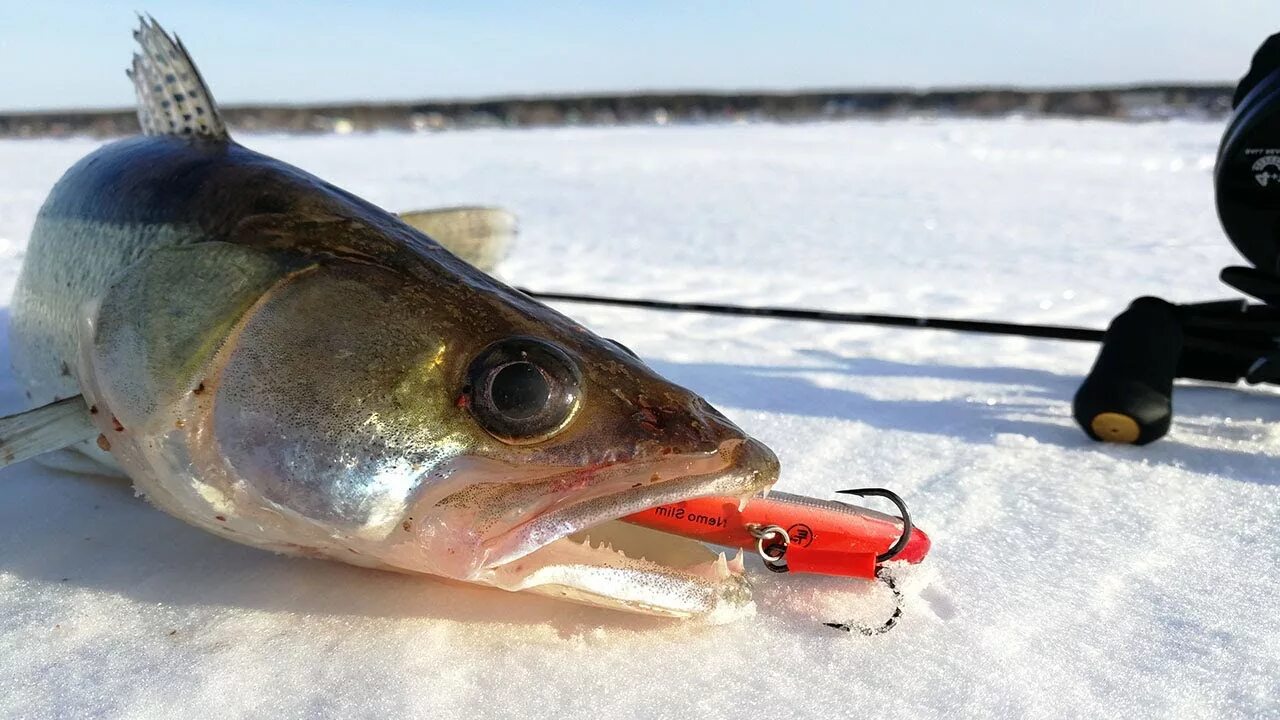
<point>1127,396</point>
<point>992,327</point>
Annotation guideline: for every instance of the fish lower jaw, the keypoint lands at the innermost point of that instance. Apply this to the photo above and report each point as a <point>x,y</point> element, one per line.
<point>625,567</point>
<point>622,545</point>
<point>583,551</point>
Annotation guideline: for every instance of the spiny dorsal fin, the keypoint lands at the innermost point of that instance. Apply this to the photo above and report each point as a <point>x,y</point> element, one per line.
<point>172,97</point>
<point>44,429</point>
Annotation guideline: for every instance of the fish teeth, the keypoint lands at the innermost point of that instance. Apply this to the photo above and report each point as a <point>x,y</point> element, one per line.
<point>736,565</point>
<point>722,566</point>
<point>742,503</point>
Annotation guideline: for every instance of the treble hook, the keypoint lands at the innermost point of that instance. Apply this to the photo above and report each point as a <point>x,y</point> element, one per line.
<point>907,527</point>
<point>887,625</point>
<point>881,573</point>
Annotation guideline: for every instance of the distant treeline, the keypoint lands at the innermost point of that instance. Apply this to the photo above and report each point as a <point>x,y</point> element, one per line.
<point>1127,103</point>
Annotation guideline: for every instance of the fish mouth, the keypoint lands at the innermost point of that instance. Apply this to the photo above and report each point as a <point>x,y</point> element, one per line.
<point>583,551</point>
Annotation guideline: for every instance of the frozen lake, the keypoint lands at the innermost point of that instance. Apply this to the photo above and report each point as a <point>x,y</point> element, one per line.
<point>1067,578</point>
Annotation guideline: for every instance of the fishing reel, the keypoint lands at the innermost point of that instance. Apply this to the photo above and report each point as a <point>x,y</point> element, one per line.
<point>1127,397</point>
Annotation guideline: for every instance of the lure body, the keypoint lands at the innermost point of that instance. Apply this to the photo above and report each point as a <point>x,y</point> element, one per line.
<point>827,538</point>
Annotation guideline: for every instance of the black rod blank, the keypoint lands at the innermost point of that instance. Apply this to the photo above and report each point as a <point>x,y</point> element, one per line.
<point>1051,332</point>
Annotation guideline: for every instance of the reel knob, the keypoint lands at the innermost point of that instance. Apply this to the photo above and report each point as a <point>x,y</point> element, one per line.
<point>1127,396</point>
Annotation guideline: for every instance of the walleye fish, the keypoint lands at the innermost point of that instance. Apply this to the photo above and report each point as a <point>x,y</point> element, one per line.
<point>274,360</point>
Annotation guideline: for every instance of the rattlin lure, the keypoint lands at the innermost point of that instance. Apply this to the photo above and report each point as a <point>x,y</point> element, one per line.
<point>793,533</point>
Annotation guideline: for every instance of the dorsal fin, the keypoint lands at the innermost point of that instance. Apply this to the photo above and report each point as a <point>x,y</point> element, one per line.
<point>172,97</point>
<point>482,236</point>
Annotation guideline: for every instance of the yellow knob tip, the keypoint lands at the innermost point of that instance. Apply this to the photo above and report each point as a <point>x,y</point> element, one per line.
<point>1115,427</point>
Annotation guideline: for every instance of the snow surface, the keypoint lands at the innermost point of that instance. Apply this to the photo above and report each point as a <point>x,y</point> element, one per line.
<point>1068,579</point>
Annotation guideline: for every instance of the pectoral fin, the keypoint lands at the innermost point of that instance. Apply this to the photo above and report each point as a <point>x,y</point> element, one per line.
<point>44,429</point>
<point>481,236</point>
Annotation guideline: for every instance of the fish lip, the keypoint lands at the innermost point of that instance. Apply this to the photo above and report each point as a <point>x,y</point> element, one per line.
<point>748,468</point>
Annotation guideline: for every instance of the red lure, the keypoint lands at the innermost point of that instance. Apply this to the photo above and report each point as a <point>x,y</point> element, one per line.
<point>808,535</point>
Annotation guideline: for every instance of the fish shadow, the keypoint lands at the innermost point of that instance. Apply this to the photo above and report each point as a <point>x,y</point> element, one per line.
<point>1042,410</point>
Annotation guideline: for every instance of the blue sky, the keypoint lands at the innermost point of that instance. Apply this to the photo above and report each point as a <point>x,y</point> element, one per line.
<point>63,54</point>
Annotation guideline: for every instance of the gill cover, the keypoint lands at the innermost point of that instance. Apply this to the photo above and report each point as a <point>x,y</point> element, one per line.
<point>268,383</point>
<point>155,329</point>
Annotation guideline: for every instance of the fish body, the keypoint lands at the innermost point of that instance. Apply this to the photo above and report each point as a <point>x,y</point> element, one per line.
<point>279,362</point>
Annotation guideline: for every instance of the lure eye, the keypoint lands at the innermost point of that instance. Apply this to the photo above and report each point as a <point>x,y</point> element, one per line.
<point>523,390</point>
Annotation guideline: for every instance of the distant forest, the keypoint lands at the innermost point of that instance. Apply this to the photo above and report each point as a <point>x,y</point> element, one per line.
<point>1152,102</point>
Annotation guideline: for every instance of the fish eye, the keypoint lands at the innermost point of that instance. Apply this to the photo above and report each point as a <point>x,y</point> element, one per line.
<point>523,390</point>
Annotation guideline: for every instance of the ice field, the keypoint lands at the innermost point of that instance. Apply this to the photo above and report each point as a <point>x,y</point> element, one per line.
<point>1067,579</point>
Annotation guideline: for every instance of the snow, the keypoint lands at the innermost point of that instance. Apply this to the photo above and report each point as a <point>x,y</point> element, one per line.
<point>1068,579</point>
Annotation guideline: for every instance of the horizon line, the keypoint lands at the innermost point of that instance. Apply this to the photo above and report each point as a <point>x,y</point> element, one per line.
<point>922,90</point>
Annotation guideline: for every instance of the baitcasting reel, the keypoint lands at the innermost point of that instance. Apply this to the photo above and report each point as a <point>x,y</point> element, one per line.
<point>1127,396</point>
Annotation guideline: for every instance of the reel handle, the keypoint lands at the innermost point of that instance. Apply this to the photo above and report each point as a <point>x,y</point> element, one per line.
<point>1127,396</point>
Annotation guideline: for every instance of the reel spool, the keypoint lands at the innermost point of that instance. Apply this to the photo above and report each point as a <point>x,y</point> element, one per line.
<point>1246,178</point>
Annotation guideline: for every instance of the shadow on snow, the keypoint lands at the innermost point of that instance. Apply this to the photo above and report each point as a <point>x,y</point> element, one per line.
<point>1041,409</point>
<point>90,532</point>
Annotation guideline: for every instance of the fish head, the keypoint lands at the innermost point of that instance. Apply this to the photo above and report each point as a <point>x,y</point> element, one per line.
<point>427,418</point>
<point>567,432</point>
